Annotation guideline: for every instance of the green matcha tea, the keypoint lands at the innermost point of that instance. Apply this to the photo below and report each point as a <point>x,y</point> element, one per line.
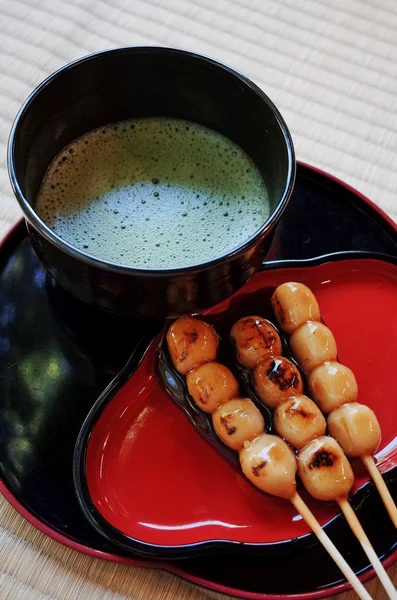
<point>153,193</point>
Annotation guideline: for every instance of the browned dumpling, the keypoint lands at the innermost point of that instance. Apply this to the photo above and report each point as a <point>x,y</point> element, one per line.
<point>331,385</point>
<point>255,339</point>
<point>356,428</point>
<point>275,379</point>
<point>324,469</point>
<point>313,344</point>
<point>270,464</point>
<point>299,420</point>
<point>294,304</point>
<point>191,342</point>
<point>211,385</point>
<point>238,421</point>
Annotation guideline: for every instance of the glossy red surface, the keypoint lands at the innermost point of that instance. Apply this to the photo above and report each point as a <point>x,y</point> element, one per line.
<point>152,477</point>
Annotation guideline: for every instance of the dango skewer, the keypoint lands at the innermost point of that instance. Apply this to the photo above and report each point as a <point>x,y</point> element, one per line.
<point>266,460</point>
<point>354,426</point>
<point>332,385</point>
<point>322,465</point>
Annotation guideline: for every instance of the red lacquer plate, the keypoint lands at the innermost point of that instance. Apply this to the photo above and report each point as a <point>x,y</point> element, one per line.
<point>148,482</point>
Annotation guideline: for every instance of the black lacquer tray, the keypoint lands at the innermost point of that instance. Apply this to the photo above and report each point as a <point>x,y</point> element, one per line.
<point>57,356</point>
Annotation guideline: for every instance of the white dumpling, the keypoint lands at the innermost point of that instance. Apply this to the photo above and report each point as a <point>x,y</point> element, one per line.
<point>270,464</point>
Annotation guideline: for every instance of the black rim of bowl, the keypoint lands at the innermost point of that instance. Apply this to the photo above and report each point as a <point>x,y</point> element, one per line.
<point>52,237</point>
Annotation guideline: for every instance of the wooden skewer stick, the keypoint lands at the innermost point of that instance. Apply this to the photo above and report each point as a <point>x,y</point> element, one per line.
<point>381,487</point>
<point>360,534</point>
<point>334,553</point>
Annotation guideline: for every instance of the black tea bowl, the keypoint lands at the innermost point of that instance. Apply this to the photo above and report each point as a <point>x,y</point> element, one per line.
<point>141,82</point>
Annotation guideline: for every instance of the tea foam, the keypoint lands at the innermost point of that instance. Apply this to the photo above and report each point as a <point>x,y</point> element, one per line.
<point>155,193</point>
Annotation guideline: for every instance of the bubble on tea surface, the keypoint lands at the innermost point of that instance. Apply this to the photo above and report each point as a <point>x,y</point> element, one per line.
<point>129,180</point>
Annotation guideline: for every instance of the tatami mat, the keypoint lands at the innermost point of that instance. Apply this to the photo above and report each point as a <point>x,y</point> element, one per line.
<point>331,67</point>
